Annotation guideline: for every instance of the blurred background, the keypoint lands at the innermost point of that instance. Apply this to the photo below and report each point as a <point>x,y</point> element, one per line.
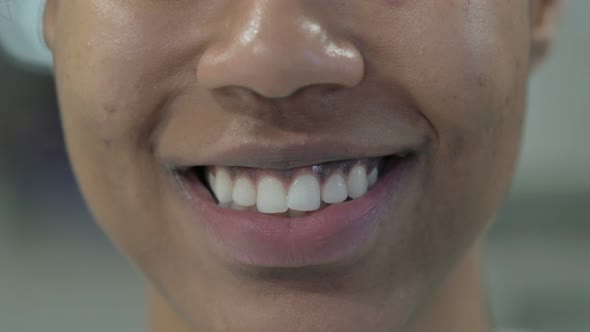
<point>59,273</point>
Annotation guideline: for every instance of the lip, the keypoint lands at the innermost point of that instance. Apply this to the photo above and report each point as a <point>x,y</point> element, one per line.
<point>335,234</point>
<point>290,152</point>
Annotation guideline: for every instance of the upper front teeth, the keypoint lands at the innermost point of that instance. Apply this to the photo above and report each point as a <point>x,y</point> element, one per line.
<point>305,192</point>
<point>244,192</point>
<point>271,196</point>
<point>334,190</point>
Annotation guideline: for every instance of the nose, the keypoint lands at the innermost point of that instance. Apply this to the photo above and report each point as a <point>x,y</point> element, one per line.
<point>275,48</point>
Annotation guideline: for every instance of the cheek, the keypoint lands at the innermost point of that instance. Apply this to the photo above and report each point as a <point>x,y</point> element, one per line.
<point>109,103</point>
<point>467,75</point>
<point>119,66</point>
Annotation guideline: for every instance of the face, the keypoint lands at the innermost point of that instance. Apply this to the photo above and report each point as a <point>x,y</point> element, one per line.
<point>302,165</point>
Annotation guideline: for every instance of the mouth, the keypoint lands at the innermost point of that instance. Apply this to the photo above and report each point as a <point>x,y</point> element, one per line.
<point>304,216</point>
<point>292,192</point>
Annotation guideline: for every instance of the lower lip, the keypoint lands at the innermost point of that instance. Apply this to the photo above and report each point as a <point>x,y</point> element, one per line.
<point>334,234</point>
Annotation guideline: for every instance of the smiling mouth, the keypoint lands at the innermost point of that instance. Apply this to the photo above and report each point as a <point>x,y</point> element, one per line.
<point>266,205</point>
<point>307,215</point>
<point>294,192</point>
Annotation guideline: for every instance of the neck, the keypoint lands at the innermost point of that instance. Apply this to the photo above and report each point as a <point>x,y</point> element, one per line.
<point>459,305</point>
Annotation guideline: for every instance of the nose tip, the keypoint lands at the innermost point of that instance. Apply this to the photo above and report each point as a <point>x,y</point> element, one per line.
<point>275,51</point>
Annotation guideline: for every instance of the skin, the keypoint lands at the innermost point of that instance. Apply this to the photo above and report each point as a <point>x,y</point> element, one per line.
<point>141,83</point>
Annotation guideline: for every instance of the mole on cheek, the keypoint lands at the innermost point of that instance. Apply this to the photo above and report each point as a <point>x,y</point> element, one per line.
<point>107,142</point>
<point>109,110</point>
<point>482,80</point>
<point>109,113</point>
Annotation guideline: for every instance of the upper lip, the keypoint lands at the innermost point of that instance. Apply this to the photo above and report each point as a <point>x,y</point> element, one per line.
<point>296,133</point>
<point>292,152</point>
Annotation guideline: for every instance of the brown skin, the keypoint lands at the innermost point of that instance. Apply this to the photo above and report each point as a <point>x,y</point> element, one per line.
<point>143,82</point>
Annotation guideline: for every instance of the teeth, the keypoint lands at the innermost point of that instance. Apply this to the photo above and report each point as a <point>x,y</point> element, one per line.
<point>304,194</point>
<point>295,213</point>
<point>244,192</point>
<point>222,185</point>
<point>236,206</point>
<point>271,196</point>
<point>225,205</point>
<point>357,182</point>
<point>372,177</point>
<point>267,193</point>
<point>334,190</point>
<point>211,179</point>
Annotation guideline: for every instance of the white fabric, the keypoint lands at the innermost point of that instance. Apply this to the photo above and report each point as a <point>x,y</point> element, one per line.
<point>21,32</point>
